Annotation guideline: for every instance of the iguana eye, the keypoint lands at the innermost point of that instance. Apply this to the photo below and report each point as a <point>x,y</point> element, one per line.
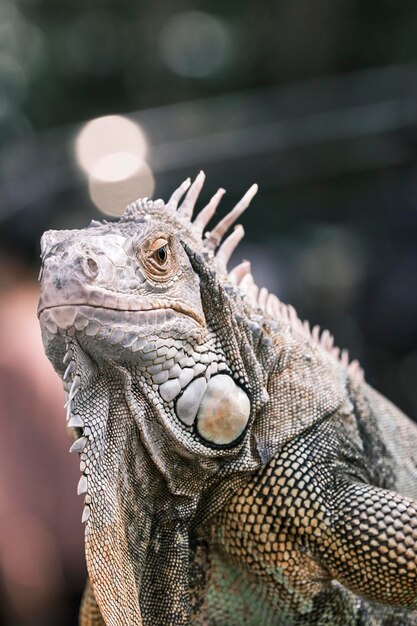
<point>158,258</point>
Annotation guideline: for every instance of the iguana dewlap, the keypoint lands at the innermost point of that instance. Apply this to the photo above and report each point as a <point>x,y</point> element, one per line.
<point>236,469</point>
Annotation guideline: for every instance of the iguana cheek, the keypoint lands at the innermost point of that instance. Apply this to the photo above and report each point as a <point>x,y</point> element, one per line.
<point>224,411</point>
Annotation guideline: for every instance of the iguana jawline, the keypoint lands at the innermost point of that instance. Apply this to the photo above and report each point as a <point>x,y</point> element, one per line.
<point>174,306</point>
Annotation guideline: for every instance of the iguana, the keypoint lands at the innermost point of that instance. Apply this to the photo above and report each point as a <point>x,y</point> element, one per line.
<point>236,468</point>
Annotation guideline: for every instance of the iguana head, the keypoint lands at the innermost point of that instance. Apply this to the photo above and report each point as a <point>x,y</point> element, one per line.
<point>120,286</point>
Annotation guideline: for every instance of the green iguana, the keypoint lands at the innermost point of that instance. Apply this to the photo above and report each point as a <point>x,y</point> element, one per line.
<point>236,468</point>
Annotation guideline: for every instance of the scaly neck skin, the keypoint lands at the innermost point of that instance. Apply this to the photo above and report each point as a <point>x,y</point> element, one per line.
<point>143,482</point>
<point>132,514</point>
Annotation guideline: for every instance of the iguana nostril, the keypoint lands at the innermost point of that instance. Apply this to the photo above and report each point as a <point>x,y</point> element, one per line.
<point>90,267</point>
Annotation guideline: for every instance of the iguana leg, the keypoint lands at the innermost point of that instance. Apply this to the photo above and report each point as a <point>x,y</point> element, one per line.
<point>309,520</point>
<point>370,544</point>
<point>89,612</point>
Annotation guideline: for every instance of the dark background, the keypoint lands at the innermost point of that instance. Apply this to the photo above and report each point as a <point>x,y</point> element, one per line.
<point>315,101</point>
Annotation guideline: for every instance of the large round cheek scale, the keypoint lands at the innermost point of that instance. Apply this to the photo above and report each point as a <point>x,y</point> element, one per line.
<point>224,411</point>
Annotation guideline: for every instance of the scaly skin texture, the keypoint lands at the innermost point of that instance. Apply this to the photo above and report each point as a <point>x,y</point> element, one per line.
<point>236,468</point>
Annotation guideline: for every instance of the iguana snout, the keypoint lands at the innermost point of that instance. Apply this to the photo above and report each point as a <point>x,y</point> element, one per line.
<point>90,270</point>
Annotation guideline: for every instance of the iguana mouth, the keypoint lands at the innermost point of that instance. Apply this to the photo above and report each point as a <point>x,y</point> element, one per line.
<point>138,308</point>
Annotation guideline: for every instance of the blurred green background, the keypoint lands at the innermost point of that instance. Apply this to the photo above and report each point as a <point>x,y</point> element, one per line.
<point>315,101</point>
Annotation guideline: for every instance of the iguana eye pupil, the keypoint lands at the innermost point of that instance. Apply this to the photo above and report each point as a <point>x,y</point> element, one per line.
<point>162,254</point>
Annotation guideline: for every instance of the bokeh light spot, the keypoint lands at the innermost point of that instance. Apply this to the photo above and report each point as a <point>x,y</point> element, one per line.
<point>195,44</point>
<point>106,136</point>
<point>119,179</point>
<point>116,166</point>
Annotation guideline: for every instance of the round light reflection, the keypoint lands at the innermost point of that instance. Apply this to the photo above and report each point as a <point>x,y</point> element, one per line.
<point>107,136</point>
<point>117,180</point>
<point>195,44</point>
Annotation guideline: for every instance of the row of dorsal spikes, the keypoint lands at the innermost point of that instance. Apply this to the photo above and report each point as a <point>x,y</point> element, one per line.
<point>241,275</point>
<point>212,240</point>
<point>270,305</point>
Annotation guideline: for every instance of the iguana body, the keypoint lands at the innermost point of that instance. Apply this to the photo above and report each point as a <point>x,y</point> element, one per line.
<point>236,468</point>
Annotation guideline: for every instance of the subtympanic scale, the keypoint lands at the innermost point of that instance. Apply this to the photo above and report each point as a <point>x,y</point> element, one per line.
<point>220,409</point>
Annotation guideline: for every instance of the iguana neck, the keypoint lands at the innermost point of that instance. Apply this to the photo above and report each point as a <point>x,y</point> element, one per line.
<point>140,501</point>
